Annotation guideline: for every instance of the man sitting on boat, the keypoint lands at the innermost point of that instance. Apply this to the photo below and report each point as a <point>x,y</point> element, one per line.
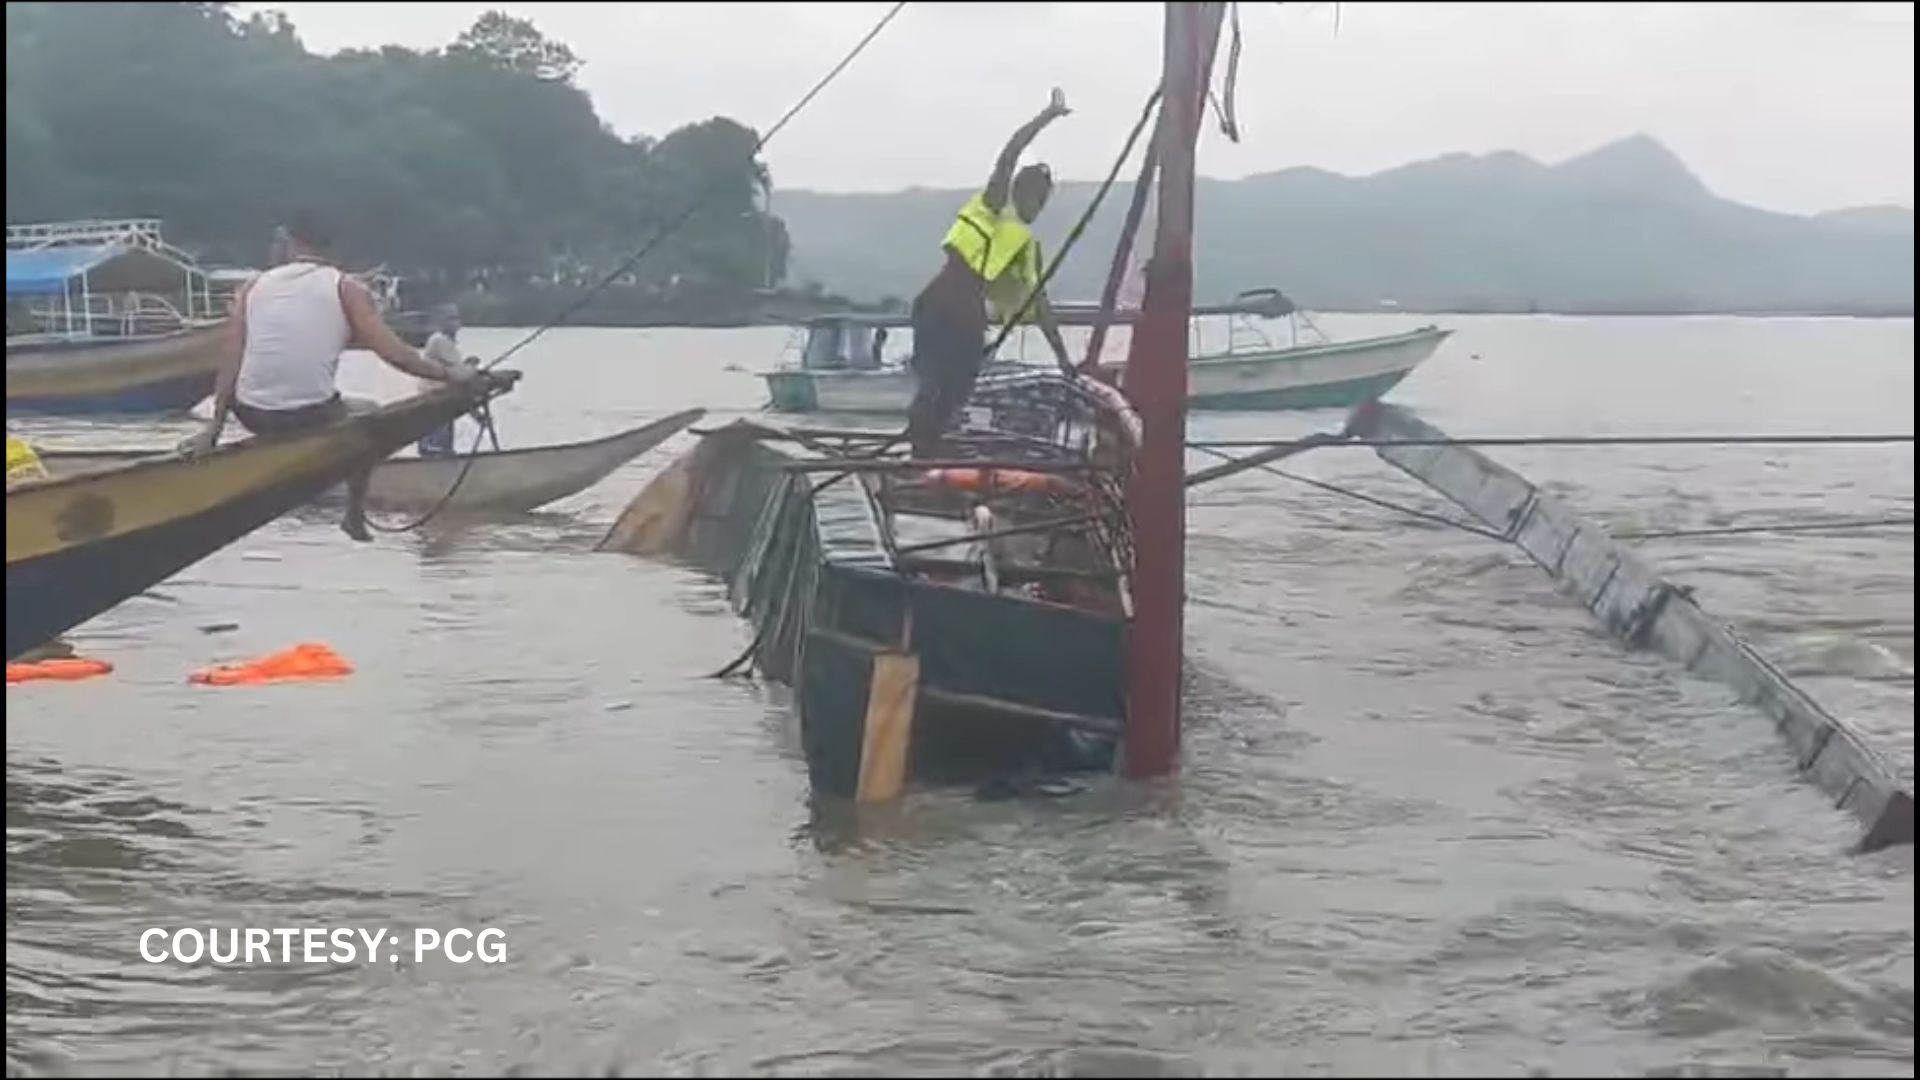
<point>992,258</point>
<point>442,348</point>
<point>288,329</point>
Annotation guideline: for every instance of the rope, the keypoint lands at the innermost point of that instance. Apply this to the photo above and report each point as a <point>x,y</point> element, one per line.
<point>466,466</point>
<point>653,243</point>
<point>1223,105</point>
<point>738,662</point>
<point>1438,519</point>
<point>1842,525</point>
<point>699,204</point>
<point>1585,440</point>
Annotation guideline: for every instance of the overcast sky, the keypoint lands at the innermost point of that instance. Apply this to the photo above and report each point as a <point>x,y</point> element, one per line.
<point>1791,106</point>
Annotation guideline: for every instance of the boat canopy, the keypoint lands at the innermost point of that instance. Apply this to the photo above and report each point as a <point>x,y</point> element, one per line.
<point>845,342</point>
<point>105,268</point>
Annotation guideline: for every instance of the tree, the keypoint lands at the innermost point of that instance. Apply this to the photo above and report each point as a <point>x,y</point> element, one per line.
<point>516,45</point>
<point>481,162</point>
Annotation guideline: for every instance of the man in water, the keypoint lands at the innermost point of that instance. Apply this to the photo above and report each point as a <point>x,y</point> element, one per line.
<point>442,348</point>
<point>284,340</point>
<point>991,258</point>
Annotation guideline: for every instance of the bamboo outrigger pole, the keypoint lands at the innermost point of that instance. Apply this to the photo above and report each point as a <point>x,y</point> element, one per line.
<point>1156,383</point>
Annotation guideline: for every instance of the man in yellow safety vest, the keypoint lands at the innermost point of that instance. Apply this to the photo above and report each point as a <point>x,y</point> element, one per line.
<point>991,258</point>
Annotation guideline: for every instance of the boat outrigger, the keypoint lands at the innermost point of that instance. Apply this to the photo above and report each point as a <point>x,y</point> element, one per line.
<point>842,366</point>
<point>499,481</point>
<point>79,544</point>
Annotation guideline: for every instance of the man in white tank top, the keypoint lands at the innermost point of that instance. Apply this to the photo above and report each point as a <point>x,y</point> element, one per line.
<point>288,329</point>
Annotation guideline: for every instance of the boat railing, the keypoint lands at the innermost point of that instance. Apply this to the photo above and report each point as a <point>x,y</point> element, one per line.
<point>140,233</point>
<point>123,315</point>
<point>1301,331</point>
<point>126,232</point>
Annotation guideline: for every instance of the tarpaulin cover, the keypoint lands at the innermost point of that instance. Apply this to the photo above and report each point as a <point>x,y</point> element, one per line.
<point>46,271</point>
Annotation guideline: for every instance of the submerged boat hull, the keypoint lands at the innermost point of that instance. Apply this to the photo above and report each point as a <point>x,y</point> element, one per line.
<point>1004,685</point>
<point>169,373</point>
<point>78,545</point>
<point>1337,375</point>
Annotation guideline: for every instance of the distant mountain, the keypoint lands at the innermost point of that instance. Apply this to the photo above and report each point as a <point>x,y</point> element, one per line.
<point>1624,228</point>
<point>1894,219</point>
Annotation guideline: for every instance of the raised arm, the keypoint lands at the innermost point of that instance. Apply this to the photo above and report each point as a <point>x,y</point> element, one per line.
<point>1000,184</point>
<point>371,332</point>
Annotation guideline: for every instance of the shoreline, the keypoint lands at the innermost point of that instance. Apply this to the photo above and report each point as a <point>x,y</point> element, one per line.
<point>657,321</point>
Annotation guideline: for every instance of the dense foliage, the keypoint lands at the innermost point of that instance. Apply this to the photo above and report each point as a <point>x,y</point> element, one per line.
<point>479,164</point>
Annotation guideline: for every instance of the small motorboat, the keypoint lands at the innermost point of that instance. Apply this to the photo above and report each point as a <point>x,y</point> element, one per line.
<point>841,369</point>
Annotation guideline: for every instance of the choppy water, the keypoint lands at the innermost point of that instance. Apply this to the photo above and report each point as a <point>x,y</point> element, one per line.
<point>1430,820</point>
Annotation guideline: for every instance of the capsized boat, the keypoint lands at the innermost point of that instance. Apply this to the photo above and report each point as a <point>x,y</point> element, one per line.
<point>938,621</point>
<point>500,481</point>
<point>843,366</point>
<point>79,544</point>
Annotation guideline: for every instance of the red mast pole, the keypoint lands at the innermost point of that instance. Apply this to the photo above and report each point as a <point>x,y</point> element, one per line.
<point>1156,383</point>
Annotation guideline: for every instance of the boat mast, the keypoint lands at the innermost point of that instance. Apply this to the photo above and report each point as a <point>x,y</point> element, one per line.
<point>1156,383</point>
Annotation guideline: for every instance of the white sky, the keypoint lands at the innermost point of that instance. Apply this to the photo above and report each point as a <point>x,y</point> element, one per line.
<point>1790,106</point>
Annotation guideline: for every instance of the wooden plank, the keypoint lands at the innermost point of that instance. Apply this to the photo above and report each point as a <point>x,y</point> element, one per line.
<point>1099,725</point>
<point>889,726</point>
<point>1630,597</point>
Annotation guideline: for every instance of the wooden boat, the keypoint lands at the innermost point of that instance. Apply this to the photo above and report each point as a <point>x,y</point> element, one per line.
<point>941,624</point>
<point>502,481</point>
<point>149,373</point>
<point>106,316</point>
<point>79,544</point>
<point>841,370</point>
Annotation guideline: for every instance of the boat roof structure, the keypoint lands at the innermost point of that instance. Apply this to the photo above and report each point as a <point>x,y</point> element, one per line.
<point>101,256</point>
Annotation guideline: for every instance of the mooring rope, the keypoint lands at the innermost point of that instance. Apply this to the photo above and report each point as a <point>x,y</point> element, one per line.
<point>659,237</point>
<point>1815,439</point>
<point>1838,525</point>
<point>1337,489</point>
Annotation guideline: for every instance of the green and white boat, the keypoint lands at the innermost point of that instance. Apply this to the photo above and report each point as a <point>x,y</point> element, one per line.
<point>843,366</point>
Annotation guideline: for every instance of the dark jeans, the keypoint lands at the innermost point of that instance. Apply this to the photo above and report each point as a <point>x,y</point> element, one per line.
<point>267,422</point>
<point>949,345</point>
<point>270,422</point>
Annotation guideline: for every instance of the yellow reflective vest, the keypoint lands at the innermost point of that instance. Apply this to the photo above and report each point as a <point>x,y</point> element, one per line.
<point>1001,250</point>
<point>22,462</point>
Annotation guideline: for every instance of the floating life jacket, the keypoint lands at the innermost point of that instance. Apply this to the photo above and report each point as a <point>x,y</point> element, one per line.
<point>22,462</point>
<point>1001,250</point>
<point>308,661</point>
<point>70,669</point>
